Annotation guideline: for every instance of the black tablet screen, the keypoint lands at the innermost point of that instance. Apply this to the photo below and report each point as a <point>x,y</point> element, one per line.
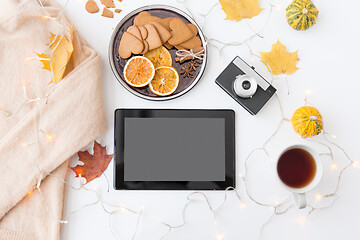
<point>174,149</point>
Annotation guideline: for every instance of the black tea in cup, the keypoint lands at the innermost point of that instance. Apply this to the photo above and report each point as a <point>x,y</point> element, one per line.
<point>296,168</point>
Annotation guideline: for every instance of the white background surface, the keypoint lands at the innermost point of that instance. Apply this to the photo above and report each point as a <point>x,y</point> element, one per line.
<point>329,66</point>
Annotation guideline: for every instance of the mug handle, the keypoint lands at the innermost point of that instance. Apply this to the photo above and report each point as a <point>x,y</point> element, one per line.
<point>300,200</point>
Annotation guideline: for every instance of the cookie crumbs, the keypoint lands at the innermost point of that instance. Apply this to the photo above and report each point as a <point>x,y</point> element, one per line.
<point>108,3</point>
<point>91,6</point>
<point>107,13</point>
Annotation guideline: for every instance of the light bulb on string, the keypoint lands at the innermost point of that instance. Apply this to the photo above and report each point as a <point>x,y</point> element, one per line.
<point>308,93</point>
<point>49,137</point>
<point>122,209</point>
<point>219,236</point>
<point>38,184</point>
<point>318,197</point>
<point>333,166</point>
<point>355,164</point>
<point>81,180</point>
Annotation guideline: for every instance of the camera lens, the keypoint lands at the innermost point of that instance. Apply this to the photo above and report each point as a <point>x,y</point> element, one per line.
<point>246,85</point>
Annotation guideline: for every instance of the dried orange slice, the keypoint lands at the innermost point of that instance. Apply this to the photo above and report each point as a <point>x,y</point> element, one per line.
<point>159,57</point>
<point>165,81</point>
<point>139,71</point>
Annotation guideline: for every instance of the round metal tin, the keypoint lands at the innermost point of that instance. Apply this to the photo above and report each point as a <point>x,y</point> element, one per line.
<point>117,63</point>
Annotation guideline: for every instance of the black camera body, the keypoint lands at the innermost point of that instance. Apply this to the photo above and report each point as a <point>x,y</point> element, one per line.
<point>245,85</point>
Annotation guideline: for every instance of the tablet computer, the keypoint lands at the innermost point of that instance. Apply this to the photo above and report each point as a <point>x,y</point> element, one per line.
<point>184,149</point>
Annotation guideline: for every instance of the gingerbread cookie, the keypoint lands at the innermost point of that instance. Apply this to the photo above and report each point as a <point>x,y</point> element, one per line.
<point>193,29</point>
<point>180,32</point>
<point>91,6</point>
<point>146,47</point>
<point>153,37</point>
<point>144,18</point>
<point>130,44</point>
<point>134,30</point>
<point>150,32</point>
<point>143,32</point>
<point>164,34</point>
<point>168,45</point>
<point>191,44</point>
<point>166,23</point>
<point>144,13</point>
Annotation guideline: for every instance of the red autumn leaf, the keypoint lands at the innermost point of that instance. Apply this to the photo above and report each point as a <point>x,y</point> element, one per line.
<point>94,165</point>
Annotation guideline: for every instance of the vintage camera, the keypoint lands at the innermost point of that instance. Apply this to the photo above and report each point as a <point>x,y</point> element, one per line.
<point>245,85</point>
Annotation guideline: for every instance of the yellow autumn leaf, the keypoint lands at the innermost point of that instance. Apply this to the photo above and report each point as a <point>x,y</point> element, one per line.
<point>280,60</point>
<point>239,9</point>
<point>61,49</point>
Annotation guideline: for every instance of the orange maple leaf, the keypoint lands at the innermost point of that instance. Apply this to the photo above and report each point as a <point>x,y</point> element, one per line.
<point>94,165</point>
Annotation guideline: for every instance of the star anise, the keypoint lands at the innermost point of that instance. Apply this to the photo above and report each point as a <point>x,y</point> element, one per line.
<point>187,72</point>
<point>193,65</point>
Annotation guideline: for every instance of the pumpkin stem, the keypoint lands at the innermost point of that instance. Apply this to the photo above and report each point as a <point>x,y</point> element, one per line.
<point>313,118</point>
<point>305,11</point>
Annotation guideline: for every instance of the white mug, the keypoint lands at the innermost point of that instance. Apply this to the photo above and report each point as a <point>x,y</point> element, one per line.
<point>299,193</point>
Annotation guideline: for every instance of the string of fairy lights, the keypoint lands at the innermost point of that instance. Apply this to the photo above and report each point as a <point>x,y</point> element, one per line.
<point>194,196</point>
<point>213,42</point>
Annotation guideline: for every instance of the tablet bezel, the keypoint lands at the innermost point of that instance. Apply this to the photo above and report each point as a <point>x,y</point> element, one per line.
<point>121,114</point>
